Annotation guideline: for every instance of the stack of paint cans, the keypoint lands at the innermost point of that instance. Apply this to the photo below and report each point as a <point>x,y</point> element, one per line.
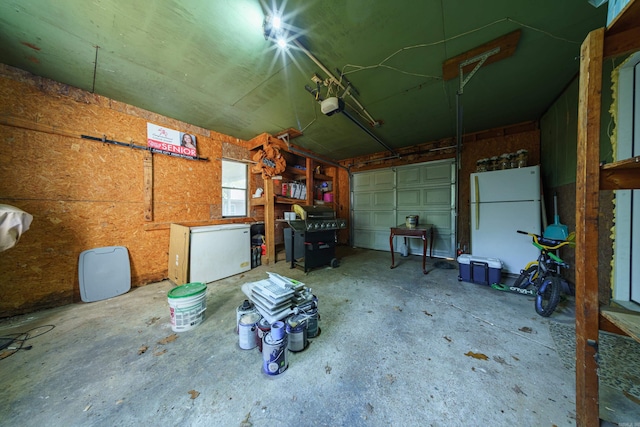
<point>275,358</point>
<point>275,340</point>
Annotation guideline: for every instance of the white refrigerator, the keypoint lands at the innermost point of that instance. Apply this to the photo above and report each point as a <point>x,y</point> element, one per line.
<point>503,202</point>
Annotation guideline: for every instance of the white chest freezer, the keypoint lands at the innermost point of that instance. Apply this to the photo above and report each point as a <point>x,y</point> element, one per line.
<point>208,253</point>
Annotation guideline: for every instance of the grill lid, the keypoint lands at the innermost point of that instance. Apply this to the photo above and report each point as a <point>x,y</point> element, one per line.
<point>316,218</point>
<point>310,212</point>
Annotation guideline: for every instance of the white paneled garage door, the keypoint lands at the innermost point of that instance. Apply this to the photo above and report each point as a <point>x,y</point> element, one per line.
<point>384,197</point>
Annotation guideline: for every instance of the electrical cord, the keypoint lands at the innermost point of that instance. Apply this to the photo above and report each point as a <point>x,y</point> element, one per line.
<point>381,64</point>
<point>19,339</point>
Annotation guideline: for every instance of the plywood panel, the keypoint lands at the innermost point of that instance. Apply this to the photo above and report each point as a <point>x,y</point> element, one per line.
<point>85,194</point>
<point>494,144</point>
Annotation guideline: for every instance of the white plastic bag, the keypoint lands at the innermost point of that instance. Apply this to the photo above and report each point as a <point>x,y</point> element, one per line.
<point>13,222</point>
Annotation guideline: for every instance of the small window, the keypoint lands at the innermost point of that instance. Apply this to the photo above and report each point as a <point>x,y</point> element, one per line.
<point>234,189</point>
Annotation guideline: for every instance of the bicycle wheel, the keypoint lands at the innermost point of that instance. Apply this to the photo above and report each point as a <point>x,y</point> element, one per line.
<point>548,296</point>
<point>527,277</point>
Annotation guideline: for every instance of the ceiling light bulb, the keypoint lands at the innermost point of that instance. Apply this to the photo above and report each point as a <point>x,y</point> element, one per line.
<point>282,43</point>
<point>277,22</point>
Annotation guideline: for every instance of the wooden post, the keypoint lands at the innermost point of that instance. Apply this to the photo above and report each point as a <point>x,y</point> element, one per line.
<point>148,186</point>
<point>311,189</point>
<point>587,194</point>
<point>269,221</point>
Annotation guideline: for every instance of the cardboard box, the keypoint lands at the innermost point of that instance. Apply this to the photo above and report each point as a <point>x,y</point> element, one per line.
<point>480,270</point>
<point>179,244</point>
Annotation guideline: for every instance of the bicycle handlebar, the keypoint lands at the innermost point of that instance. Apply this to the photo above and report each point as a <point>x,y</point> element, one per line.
<point>548,244</point>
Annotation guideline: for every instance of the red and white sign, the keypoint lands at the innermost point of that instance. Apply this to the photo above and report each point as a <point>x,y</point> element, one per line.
<point>171,141</point>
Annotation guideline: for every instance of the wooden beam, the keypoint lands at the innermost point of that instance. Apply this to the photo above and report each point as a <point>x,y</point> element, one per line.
<point>587,195</point>
<point>148,186</point>
<point>506,43</point>
<point>622,43</point>
<point>628,18</point>
<point>269,221</point>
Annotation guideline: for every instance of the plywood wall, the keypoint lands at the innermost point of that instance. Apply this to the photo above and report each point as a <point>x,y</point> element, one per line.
<point>85,194</point>
<point>488,144</point>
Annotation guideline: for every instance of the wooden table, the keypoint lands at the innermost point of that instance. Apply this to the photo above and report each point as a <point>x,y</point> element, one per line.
<point>424,231</point>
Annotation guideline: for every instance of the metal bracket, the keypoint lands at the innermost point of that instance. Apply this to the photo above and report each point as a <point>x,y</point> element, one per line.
<point>480,59</point>
<point>594,344</point>
<point>284,137</point>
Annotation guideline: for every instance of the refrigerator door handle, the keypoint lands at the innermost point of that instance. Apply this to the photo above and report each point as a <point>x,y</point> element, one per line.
<point>477,189</point>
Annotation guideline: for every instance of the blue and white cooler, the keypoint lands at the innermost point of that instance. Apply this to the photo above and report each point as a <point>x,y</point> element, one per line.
<point>479,270</point>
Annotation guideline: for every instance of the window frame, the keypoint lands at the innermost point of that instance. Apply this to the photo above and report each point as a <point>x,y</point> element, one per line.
<point>244,189</point>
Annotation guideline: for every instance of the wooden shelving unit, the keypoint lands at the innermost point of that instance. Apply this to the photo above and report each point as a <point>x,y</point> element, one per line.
<point>300,166</point>
<point>622,37</point>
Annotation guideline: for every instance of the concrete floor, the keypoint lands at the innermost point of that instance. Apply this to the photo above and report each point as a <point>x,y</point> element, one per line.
<point>397,348</point>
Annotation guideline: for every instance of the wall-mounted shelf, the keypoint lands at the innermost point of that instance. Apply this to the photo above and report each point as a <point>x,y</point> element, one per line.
<point>322,177</point>
<point>289,201</point>
<point>258,201</point>
<point>621,175</point>
<point>300,174</point>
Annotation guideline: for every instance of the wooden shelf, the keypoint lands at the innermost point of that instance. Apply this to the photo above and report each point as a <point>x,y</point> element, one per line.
<point>321,177</point>
<point>289,201</point>
<point>621,175</point>
<point>628,321</point>
<point>258,201</point>
<point>300,173</point>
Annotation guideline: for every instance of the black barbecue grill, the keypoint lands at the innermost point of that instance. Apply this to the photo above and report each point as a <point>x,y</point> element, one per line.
<point>317,229</point>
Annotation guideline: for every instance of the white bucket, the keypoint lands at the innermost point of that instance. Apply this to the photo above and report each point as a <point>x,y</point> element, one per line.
<point>187,304</point>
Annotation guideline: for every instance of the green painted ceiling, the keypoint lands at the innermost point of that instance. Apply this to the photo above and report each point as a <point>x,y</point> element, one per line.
<point>206,62</point>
